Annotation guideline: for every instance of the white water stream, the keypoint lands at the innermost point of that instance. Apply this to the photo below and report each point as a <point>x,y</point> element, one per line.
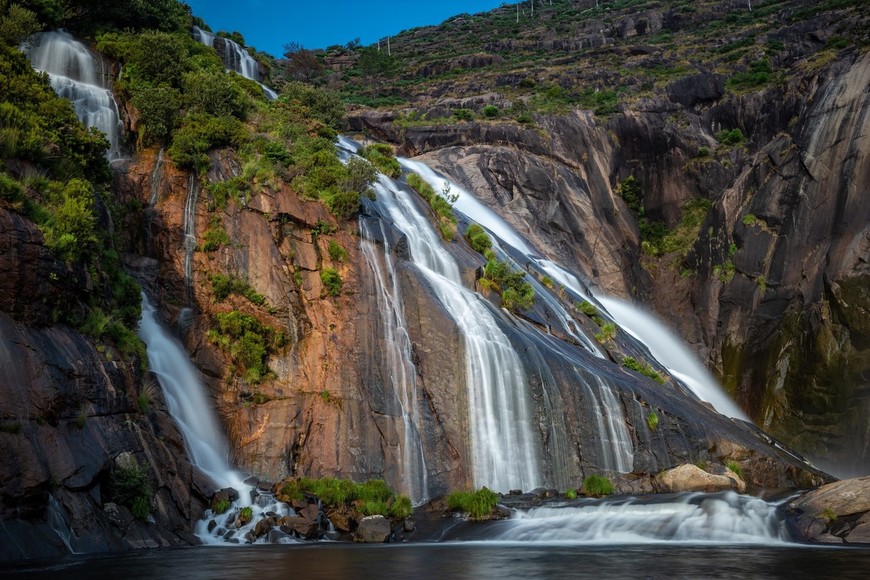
<point>504,446</point>
<point>725,518</point>
<point>82,78</point>
<point>236,58</point>
<point>669,350</point>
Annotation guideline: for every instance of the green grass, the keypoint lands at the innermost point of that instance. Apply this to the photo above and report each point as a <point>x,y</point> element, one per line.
<point>735,467</point>
<point>221,506</point>
<point>643,368</point>
<point>373,497</point>
<point>597,486</point>
<point>331,281</point>
<point>608,332</point>
<point>336,251</point>
<point>477,504</point>
<point>588,309</point>
<point>652,421</point>
<point>442,205</point>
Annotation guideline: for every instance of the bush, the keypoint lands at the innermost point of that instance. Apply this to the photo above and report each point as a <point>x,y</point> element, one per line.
<point>158,113</point>
<point>323,105</point>
<point>571,494</point>
<point>246,514</point>
<point>463,114</point>
<point>703,151</point>
<point>643,368</point>
<point>597,486</point>
<point>332,281</point>
<point>629,191</point>
<point>588,309</point>
<point>223,286</point>
<point>735,468</point>
<point>72,229</point>
<point>248,341</point>
<point>336,252</point>
<point>478,238</point>
<point>199,134</point>
<point>652,421</point>
<point>402,508</point>
<point>130,487</point>
<point>221,506</point>
<point>731,138</point>
<point>608,332</point>
<point>381,156</point>
<point>214,93</point>
<point>442,205</point>
<point>490,111</point>
<point>477,504</point>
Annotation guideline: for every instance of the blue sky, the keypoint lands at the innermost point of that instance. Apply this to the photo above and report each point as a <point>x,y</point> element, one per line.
<point>270,24</point>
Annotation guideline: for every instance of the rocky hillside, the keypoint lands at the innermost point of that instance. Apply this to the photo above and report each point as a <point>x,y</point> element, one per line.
<point>705,159</point>
<point>238,219</point>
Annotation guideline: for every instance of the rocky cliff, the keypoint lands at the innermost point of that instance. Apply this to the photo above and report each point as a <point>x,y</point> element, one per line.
<point>770,284</point>
<point>75,418</point>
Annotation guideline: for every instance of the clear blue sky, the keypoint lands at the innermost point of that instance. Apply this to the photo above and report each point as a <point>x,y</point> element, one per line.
<point>270,24</point>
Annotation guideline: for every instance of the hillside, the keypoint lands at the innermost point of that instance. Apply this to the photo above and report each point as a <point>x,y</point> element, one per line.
<point>707,160</point>
<point>683,154</point>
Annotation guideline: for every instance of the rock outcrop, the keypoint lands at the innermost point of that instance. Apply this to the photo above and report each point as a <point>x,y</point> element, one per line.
<point>771,291</point>
<point>836,513</point>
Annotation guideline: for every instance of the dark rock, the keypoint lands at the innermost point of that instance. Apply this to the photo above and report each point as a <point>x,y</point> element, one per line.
<point>372,530</point>
<point>263,527</point>
<point>697,89</point>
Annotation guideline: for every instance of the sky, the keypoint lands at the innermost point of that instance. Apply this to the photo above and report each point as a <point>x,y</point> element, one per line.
<point>268,25</point>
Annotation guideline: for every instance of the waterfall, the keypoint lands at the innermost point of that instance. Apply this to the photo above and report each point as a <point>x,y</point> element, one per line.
<point>672,353</point>
<point>189,228</point>
<point>504,447</point>
<point>666,348</point>
<point>58,521</point>
<point>188,402</point>
<point>82,78</point>
<point>236,58</point>
<point>725,518</point>
<point>155,179</point>
<point>397,359</point>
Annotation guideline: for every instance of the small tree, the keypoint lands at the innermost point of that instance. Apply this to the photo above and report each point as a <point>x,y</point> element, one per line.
<point>302,64</point>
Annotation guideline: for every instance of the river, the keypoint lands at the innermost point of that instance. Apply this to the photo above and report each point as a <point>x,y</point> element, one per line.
<point>460,560</point>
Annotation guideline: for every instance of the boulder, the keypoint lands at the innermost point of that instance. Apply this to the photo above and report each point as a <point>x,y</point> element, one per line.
<point>859,535</point>
<point>844,498</point>
<point>372,530</point>
<point>690,477</point>
<point>692,90</point>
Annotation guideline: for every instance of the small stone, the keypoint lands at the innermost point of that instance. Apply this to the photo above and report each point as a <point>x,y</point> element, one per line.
<point>211,526</point>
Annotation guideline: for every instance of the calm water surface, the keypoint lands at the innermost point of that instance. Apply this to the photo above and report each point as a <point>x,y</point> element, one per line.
<point>458,560</point>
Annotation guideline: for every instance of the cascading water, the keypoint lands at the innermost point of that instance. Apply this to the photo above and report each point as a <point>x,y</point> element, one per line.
<point>204,440</point>
<point>397,356</point>
<point>725,518</point>
<point>189,228</point>
<point>661,343</point>
<point>671,352</point>
<point>503,444</point>
<point>188,402</point>
<point>236,58</point>
<point>155,179</point>
<point>82,78</point>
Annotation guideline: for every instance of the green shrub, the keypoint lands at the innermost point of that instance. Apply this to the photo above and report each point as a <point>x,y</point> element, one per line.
<point>213,238</point>
<point>246,514</point>
<point>629,191</point>
<point>248,341</point>
<point>402,508</point>
<point>201,133</point>
<point>703,151</point>
<point>652,421</point>
<point>588,308</point>
<point>490,111</point>
<point>571,494</point>
<point>731,137</point>
<point>477,504</point>
<point>336,252</point>
<point>735,468</point>
<point>749,220</point>
<point>214,93</point>
<point>643,368</point>
<point>221,506</point>
<point>828,514</point>
<point>130,487</point>
<point>478,238</point>
<point>223,286</point>
<point>463,114</point>
<point>331,280</point>
<point>597,486</point>
<point>442,205</point>
<point>158,113</point>
<point>381,156</point>
<point>608,332</point>
<point>319,104</point>
<point>759,74</point>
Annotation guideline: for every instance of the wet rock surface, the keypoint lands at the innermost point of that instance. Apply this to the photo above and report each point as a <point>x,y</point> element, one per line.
<point>835,513</point>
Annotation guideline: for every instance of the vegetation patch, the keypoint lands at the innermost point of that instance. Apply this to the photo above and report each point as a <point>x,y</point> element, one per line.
<point>331,281</point>
<point>223,286</point>
<point>652,421</point>
<point>643,368</point>
<point>477,504</point>
<point>597,486</point>
<point>373,497</point>
<point>381,156</point>
<point>131,487</point>
<point>442,204</point>
<point>248,341</point>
